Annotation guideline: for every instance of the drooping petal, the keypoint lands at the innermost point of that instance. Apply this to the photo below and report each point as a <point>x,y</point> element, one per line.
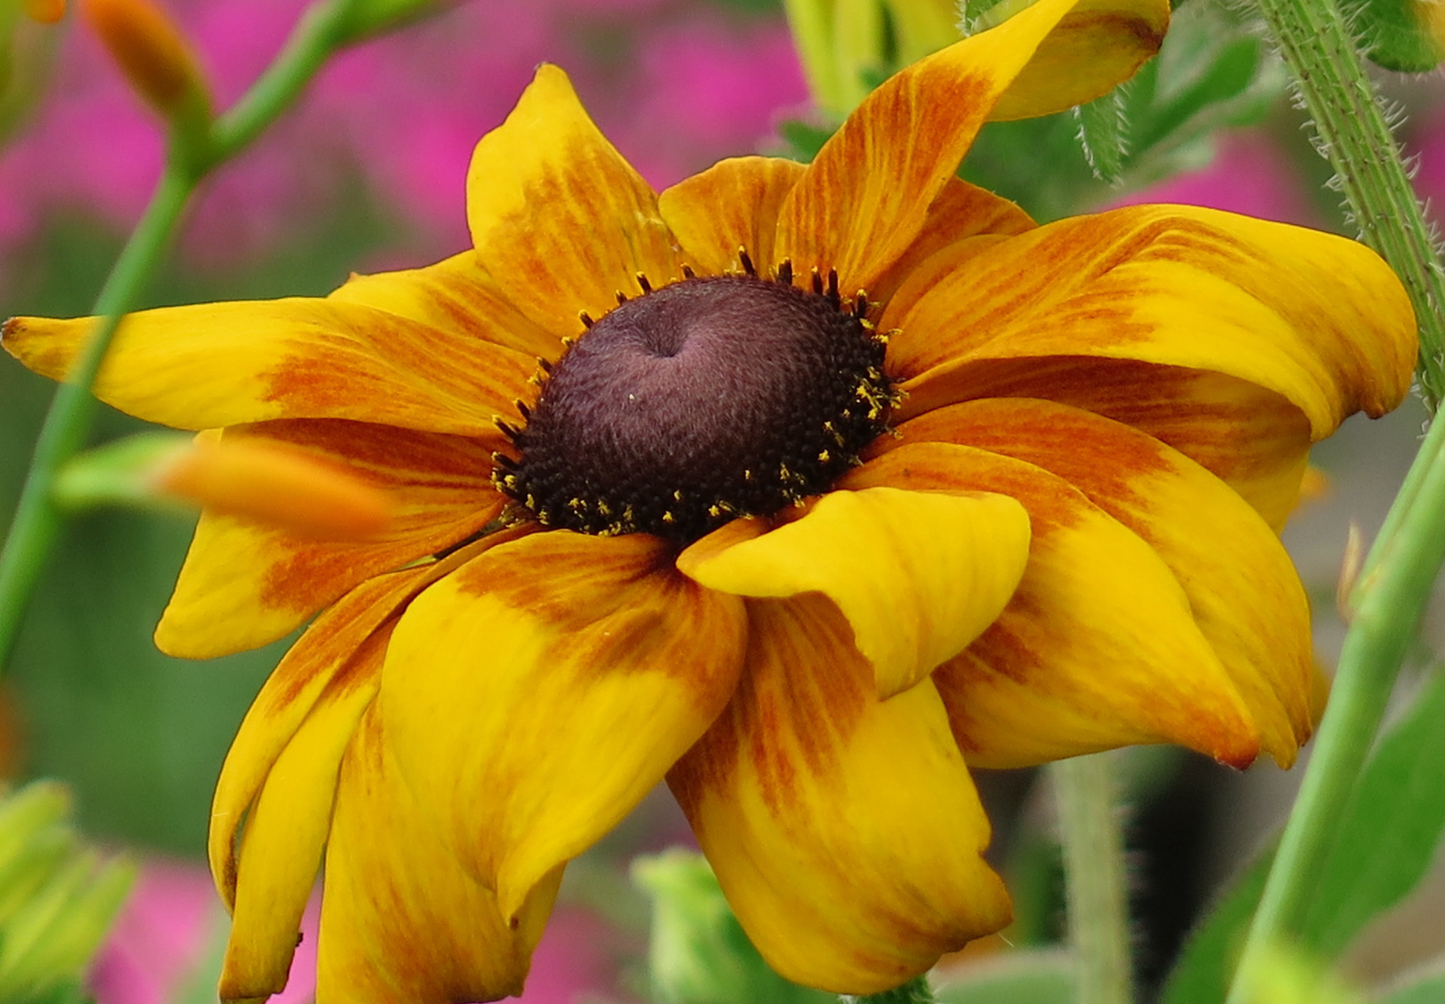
<point>1098,44</point>
<point>867,194</point>
<point>535,695</point>
<point>917,575</point>
<point>286,827</point>
<point>217,364</point>
<point>333,657</point>
<point>1251,438</point>
<point>456,295</point>
<point>1315,318</point>
<point>246,583</point>
<point>401,919</point>
<point>733,204</point>
<point>844,829</point>
<point>1098,646</point>
<point>1242,588</point>
<point>558,217</point>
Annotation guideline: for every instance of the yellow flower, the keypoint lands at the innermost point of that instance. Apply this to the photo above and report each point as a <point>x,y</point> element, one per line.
<point>1039,521</point>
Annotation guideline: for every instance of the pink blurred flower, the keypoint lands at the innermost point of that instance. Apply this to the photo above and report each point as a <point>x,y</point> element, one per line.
<point>1248,175</point>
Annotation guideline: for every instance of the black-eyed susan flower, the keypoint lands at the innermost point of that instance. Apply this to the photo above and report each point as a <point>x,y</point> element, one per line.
<point>821,484</point>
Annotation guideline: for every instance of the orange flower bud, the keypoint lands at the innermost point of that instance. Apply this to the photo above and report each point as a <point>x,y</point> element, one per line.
<point>153,54</point>
<point>274,484</point>
<point>45,11</point>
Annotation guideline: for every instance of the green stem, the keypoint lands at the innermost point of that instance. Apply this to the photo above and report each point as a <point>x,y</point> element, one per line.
<point>1315,39</point>
<point>36,526</point>
<point>915,991</point>
<point>1095,878</point>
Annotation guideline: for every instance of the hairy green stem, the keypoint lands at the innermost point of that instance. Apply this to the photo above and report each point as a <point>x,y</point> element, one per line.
<point>913,992</point>
<point>1354,136</point>
<point>1095,878</point>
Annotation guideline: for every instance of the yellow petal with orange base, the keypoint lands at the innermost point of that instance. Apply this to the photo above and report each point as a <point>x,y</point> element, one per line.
<point>210,365</point>
<point>917,575</point>
<point>535,695</point>
<point>733,204</point>
<point>1318,319</point>
<point>401,918</point>
<point>844,829</point>
<point>1098,646</point>
<point>561,220</point>
<point>1242,588</point>
<point>866,195</point>
<point>245,583</point>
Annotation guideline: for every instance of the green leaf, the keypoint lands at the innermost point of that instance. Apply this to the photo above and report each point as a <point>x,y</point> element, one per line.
<point>1103,133</point>
<point>1426,990</point>
<point>1394,35</point>
<point>1204,968</point>
<point>1029,977</point>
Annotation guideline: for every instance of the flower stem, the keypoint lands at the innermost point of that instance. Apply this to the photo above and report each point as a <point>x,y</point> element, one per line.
<point>916,991</point>
<point>1355,137</point>
<point>1095,879</point>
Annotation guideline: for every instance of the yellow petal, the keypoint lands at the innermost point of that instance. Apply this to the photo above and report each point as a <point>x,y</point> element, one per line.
<point>1098,646</point>
<point>401,919</point>
<point>866,195</point>
<point>1099,44</point>
<point>557,215</point>
<point>246,583</point>
<point>844,829</point>
<point>1315,318</point>
<point>456,295</point>
<point>216,364</point>
<point>286,828</point>
<point>917,575</point>
<point>535,695</point>
<point>1251,438</point>
<point>732,204</point>
<point>1242,588</point>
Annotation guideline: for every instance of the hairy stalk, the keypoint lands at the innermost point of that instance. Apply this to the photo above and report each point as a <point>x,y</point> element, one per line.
<point>1095,877</point>
<point>1355,137</point>
<point>913,992</point>
<point>36,527</point>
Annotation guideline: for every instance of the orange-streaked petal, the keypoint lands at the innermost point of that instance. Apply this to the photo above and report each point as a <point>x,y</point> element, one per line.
<point>561,220</point>
<point>844,829</point>
<point>932,572</point>
<point>401,918</point>
<point>1251,438</point>
<point>535,695</point>
<point>1098,647</point>
<point>333,653</point>
<point>732,204</point>
<point>246,583</point>
<point>1242,588</point>
<point>286,828</point>
<point>866,196</point>
<point>1099,44</point>
<point>217,364</point>
<point>1316,318</point>
<point>456,295</point>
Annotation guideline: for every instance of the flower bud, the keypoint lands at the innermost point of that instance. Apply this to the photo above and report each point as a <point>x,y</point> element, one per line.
<point>154,56</point>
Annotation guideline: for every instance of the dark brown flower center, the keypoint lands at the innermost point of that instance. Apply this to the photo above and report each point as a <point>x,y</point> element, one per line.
<point>701,401</point>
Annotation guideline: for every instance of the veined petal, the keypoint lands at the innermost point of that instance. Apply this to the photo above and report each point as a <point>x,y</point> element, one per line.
<point>535,695</point>
<point>246,583</point>
<point>286,828</point>
<point>1318,319</point>
<point>1098,646</point>
<point>333,657</point>
<point>844,829</point>
<point>1098,44</point>
<point>217,364</point>
<point>1242,588</point>
<point>732,204</point>
<point>866,196</point>
<point>1253,439</point>
<point>456,295</point>
<point>401,919</point>
<point>936,571</point>
<point>556,213</point>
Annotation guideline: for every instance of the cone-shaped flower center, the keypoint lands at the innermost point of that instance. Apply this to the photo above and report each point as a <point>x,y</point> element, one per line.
<point>704,400</point>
